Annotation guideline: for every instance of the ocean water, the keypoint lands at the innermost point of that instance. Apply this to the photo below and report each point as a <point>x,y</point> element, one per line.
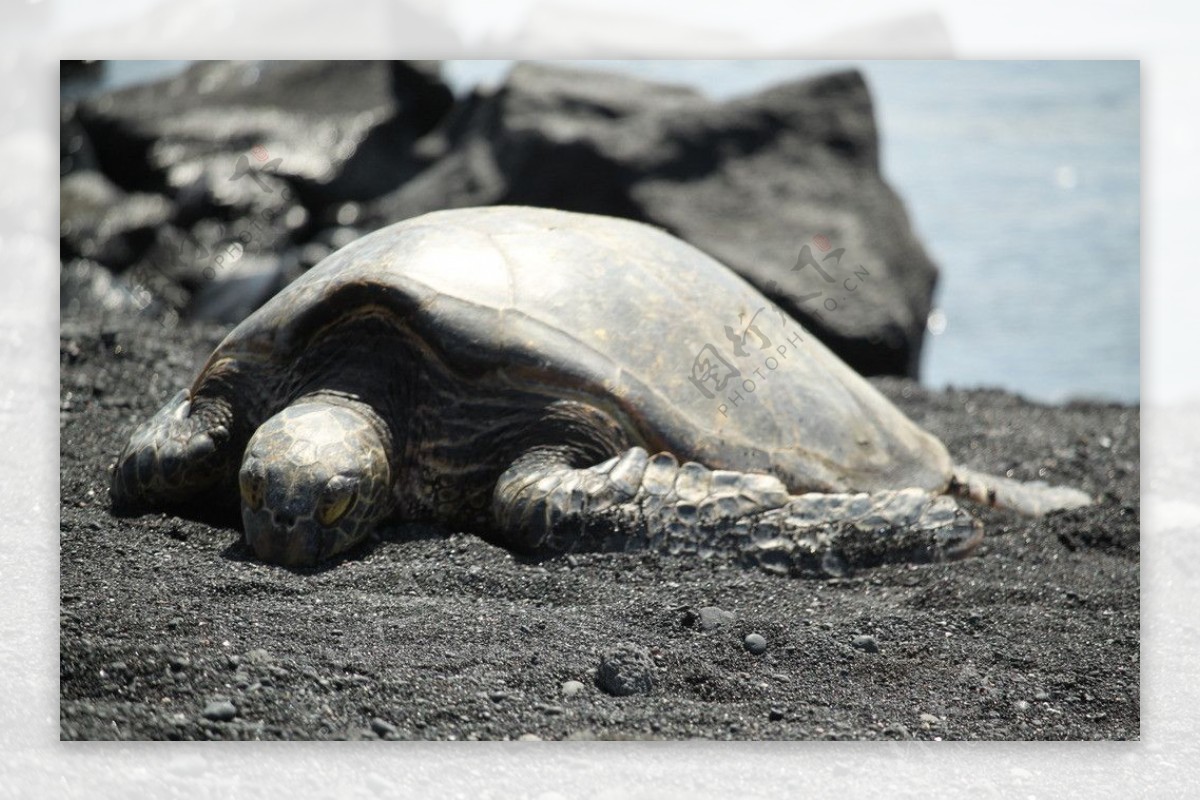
<point>1022,178</point>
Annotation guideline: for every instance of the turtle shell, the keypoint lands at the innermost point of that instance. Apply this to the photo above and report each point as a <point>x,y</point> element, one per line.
<point>687,355</point>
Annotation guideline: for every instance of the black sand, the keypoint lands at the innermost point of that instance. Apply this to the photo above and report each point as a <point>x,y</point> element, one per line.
<point>438,635</point>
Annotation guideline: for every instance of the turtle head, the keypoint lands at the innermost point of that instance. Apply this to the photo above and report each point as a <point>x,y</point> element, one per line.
<point>315,480</point>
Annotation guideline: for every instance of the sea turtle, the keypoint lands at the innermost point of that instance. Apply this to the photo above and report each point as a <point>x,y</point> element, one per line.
<point>565,382</point>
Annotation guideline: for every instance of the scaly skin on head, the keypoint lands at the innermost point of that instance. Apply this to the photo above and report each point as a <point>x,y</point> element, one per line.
<point>316,479</point>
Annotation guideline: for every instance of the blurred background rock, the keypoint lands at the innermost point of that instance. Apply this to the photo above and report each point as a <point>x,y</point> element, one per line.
<point>200,193</point>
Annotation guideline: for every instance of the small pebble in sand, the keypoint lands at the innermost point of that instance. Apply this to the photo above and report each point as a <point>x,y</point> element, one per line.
<point>755,643</point>
<point>708,618</point>
<point>259,656</point>
<point>220,710</point>
<point>626,669</point>
<point>382,727</point>
<point>865,642</point>
<point>572,688</point>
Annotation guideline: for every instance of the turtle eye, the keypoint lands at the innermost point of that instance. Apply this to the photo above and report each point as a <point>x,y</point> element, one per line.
<point>253,486</point>
<point>336,500</point>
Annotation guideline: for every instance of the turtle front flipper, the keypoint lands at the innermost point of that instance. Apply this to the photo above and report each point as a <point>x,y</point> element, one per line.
<point>175,457</point>
<point>635,500</point>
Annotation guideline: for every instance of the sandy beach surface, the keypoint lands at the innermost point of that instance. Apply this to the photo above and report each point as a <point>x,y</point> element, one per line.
<point>170,630</point>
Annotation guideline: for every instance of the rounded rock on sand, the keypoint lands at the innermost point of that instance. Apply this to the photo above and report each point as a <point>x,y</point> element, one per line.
<point>865,642</point>
<point>220,710</point>
<point>755,644</point>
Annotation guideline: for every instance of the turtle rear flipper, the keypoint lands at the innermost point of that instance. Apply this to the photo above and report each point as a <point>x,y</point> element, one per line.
<point>542,503</point>
<point>1030,498</point>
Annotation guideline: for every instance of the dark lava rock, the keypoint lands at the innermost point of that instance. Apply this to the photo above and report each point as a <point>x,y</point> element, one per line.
<point>783,186</point>
<point>626,669</point>
<point>550,136</point>
<point>74,70</point>
<point>179,183</point>
<point>197,191</point>
<point>802,211</point>
<point>335,130</point>
<point>205,187</point>
<point>245,285</point>
<point>74,148</point>
<point>84,284</point>
<point>98,221</point>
